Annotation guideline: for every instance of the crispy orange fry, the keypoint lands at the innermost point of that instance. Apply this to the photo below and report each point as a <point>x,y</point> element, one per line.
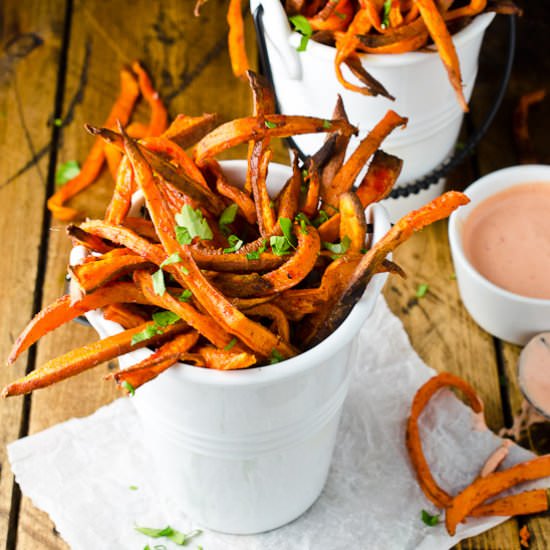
<point>484,488</point>
<point>274,313</point>
<point>245,129</point>
<point>124,315</point>
<point>353,225</point>
<point>222,359</point>
<point>442,39</point>
<point>91,167</point>
<point>81,359</point>
<point>158,362</point>
<point>311,201</point>
<point>345,177</point>
<point>187,130</point>
<point>237,51</point>
<point>528,502</point>
<point>62,311</point>
<point>122,195</point>
<point>159,115</point>
<point>524,145</point>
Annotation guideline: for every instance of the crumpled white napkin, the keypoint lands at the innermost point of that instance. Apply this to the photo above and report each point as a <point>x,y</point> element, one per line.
<point>94,477</point>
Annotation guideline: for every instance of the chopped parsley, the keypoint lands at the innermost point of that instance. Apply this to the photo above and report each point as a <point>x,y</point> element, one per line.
<point>276,357</point>
<point>321,218</point>
<point>159,286</point>
<point>185,296</point>
<point>286,226</point>
<point>255,254</point>
<point>235,244</point>
<point>231,344</point>
<point>421,290</point>
<point>327,124</point>
<point>181,539</point>
<point>386,15</point>
<point>165,318</point>
<point>279,245</point>
<point>191,224</point>
<point>57,122</point>
<point>173,259</point>
<point>146,334</point>
<point>130,389</point>
<point>430,520</point>
<point>133,487</point>
<point>303,220</point>
<point>66,172</point>
<point>301,24</point>
<point>227,217</point>
<point>338,248</point>
<point>269,124</point>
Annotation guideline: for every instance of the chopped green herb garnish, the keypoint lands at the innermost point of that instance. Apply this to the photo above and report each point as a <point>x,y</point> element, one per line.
<point>159,547</point>
<point>301,24</point>
<point>279,245</point>
<point>146,334</point>
<point>270,124</point>
<point>185,296</point>
<point>386,16</point>
<point>255,254</point>
<point>181,539</point>
<point>165,318</point>
<point>192,221</point>
<point>276,357</point>
<point>184,270</point>
<point>452,276</point>
<point>129,388</point>
<point>235,243</point>
<point>271,204</point>
<point>303,220</point>
<point>57,122</point>
<point>66,172</point>
<point>305,174</point>
<point>321,218</point>
<point>286,227</point>
<point>340,15</point>
<point>421,290</point>
<point>430,520</point>
<point>327,124</point>
<point>133,487</point>
<point>460,145</point>
<point>231,344</point>
<point>173,259</point>
<point>158,282</point>
<point>227,217</point>
<point>338,248</point>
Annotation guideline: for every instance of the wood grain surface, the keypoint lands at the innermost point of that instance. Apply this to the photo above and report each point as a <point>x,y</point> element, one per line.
<point>60,59</point>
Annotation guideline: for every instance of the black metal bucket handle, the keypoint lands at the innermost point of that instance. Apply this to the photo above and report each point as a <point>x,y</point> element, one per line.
<point>446,166</point>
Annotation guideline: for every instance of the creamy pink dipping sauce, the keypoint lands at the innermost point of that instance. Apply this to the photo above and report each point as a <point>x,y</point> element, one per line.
<point>507,239</point>
<point>534,372</point>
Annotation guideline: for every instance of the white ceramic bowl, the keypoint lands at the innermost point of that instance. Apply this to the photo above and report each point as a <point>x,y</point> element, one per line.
<point>506,315</point>
<point>306,83</point>
<point>247,451</point>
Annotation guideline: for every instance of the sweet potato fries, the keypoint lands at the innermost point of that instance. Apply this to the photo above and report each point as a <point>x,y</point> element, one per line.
<point>372,26</point>
<point>472,501</point>
<point>220,275</point>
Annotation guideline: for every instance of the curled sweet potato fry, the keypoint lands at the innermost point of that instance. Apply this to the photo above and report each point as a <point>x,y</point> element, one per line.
<point>245,129</point>
<point>158,362</point>
<point>352,222</point>
<point>62,311</point>
<point>259,162</point>
<point>311,200</point>
<point>524,145</point>
<point>122,195</point>
<point>527,502</point>
<point>91,167</point>
<point>78,360</point>
<point>274,313</point>
<point>289,198</point>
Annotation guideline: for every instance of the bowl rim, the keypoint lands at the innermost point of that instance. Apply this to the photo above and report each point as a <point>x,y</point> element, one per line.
<point>477,26</point>
<point>512,176</point>
<point>302,362</point>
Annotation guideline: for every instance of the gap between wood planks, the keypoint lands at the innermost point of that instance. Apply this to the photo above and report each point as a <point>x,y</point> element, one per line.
<point>11,541</point>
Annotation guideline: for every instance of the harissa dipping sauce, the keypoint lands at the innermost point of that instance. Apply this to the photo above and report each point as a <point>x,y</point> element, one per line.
<point>507,239</point>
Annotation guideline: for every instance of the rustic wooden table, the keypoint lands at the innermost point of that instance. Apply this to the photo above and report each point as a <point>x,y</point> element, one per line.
<point>60,59</point>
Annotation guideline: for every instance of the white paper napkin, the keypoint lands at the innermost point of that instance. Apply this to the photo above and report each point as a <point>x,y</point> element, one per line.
<point>95,479</point>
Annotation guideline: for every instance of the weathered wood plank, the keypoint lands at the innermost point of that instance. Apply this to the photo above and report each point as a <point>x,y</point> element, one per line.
<point>29,51</point>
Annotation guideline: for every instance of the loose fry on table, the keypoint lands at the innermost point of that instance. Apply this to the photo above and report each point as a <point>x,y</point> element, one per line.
<point>526,152</point>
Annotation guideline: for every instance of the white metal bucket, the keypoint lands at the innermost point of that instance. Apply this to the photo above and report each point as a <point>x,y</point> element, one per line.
<point>306,83</point>
<point>247,451</point>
